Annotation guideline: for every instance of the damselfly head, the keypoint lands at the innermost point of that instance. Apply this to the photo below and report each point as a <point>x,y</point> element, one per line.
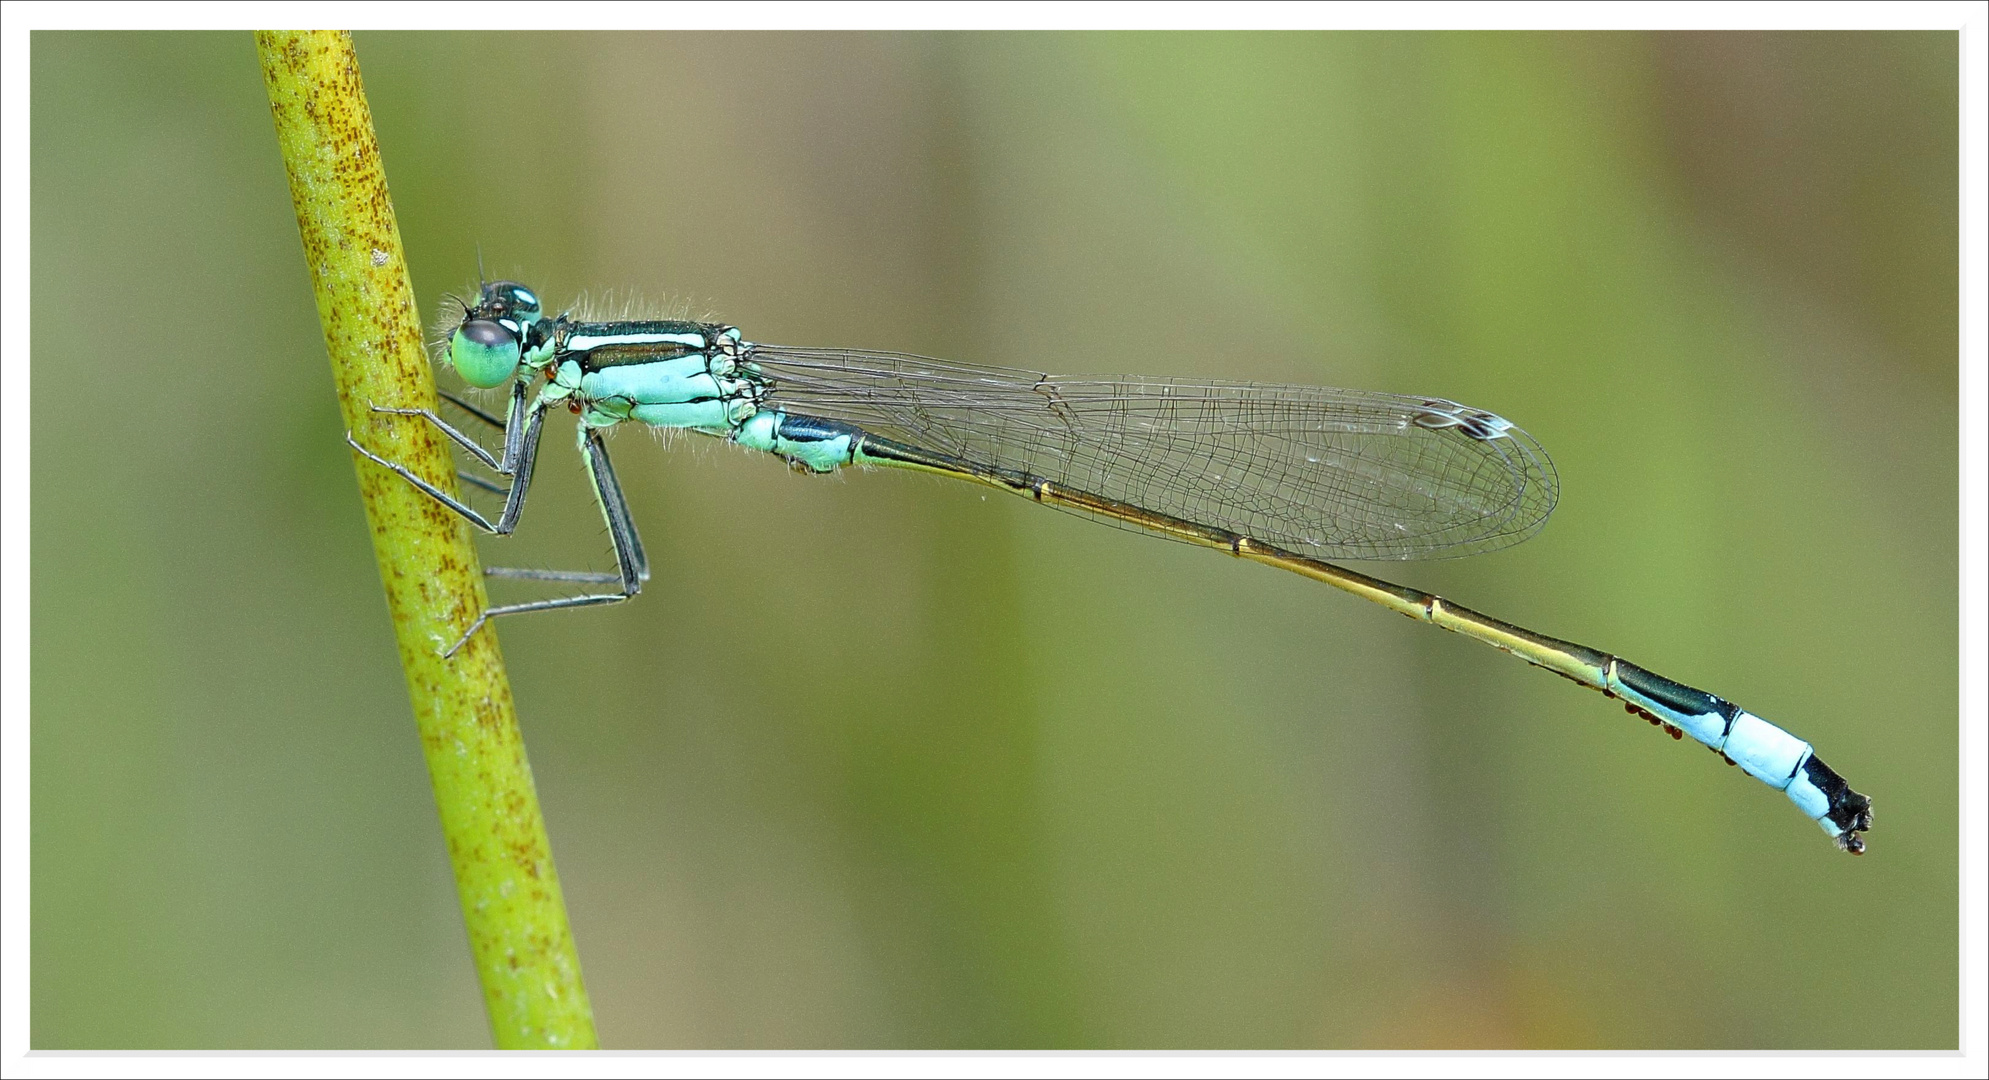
<point>488,346</point>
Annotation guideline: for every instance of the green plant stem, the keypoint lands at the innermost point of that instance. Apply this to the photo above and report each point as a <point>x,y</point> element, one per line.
<point>462,707</point>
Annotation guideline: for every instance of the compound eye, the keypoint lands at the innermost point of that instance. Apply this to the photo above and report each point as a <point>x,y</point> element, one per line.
<point>485,353</point>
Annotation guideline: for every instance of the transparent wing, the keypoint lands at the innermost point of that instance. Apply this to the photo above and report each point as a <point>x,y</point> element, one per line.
<point>1336,473</point>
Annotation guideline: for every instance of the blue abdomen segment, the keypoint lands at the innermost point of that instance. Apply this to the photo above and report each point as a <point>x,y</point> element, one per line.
<point>810,441</point>
<point>1761,749</point>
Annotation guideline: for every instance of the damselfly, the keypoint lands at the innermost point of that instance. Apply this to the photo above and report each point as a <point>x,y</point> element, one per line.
<point>1282,475</point>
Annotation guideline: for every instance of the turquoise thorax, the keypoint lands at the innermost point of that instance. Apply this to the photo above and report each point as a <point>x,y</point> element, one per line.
<point>676,374</point>
<point>666,373</point>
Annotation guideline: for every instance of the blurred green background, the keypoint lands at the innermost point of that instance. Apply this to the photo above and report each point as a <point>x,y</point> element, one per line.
<point>1043,783</point>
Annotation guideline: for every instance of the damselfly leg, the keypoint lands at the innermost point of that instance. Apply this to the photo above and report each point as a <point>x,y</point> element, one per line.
<point>522,429</point>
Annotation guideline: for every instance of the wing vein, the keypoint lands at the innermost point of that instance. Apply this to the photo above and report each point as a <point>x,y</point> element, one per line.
<point>1336,473</point>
